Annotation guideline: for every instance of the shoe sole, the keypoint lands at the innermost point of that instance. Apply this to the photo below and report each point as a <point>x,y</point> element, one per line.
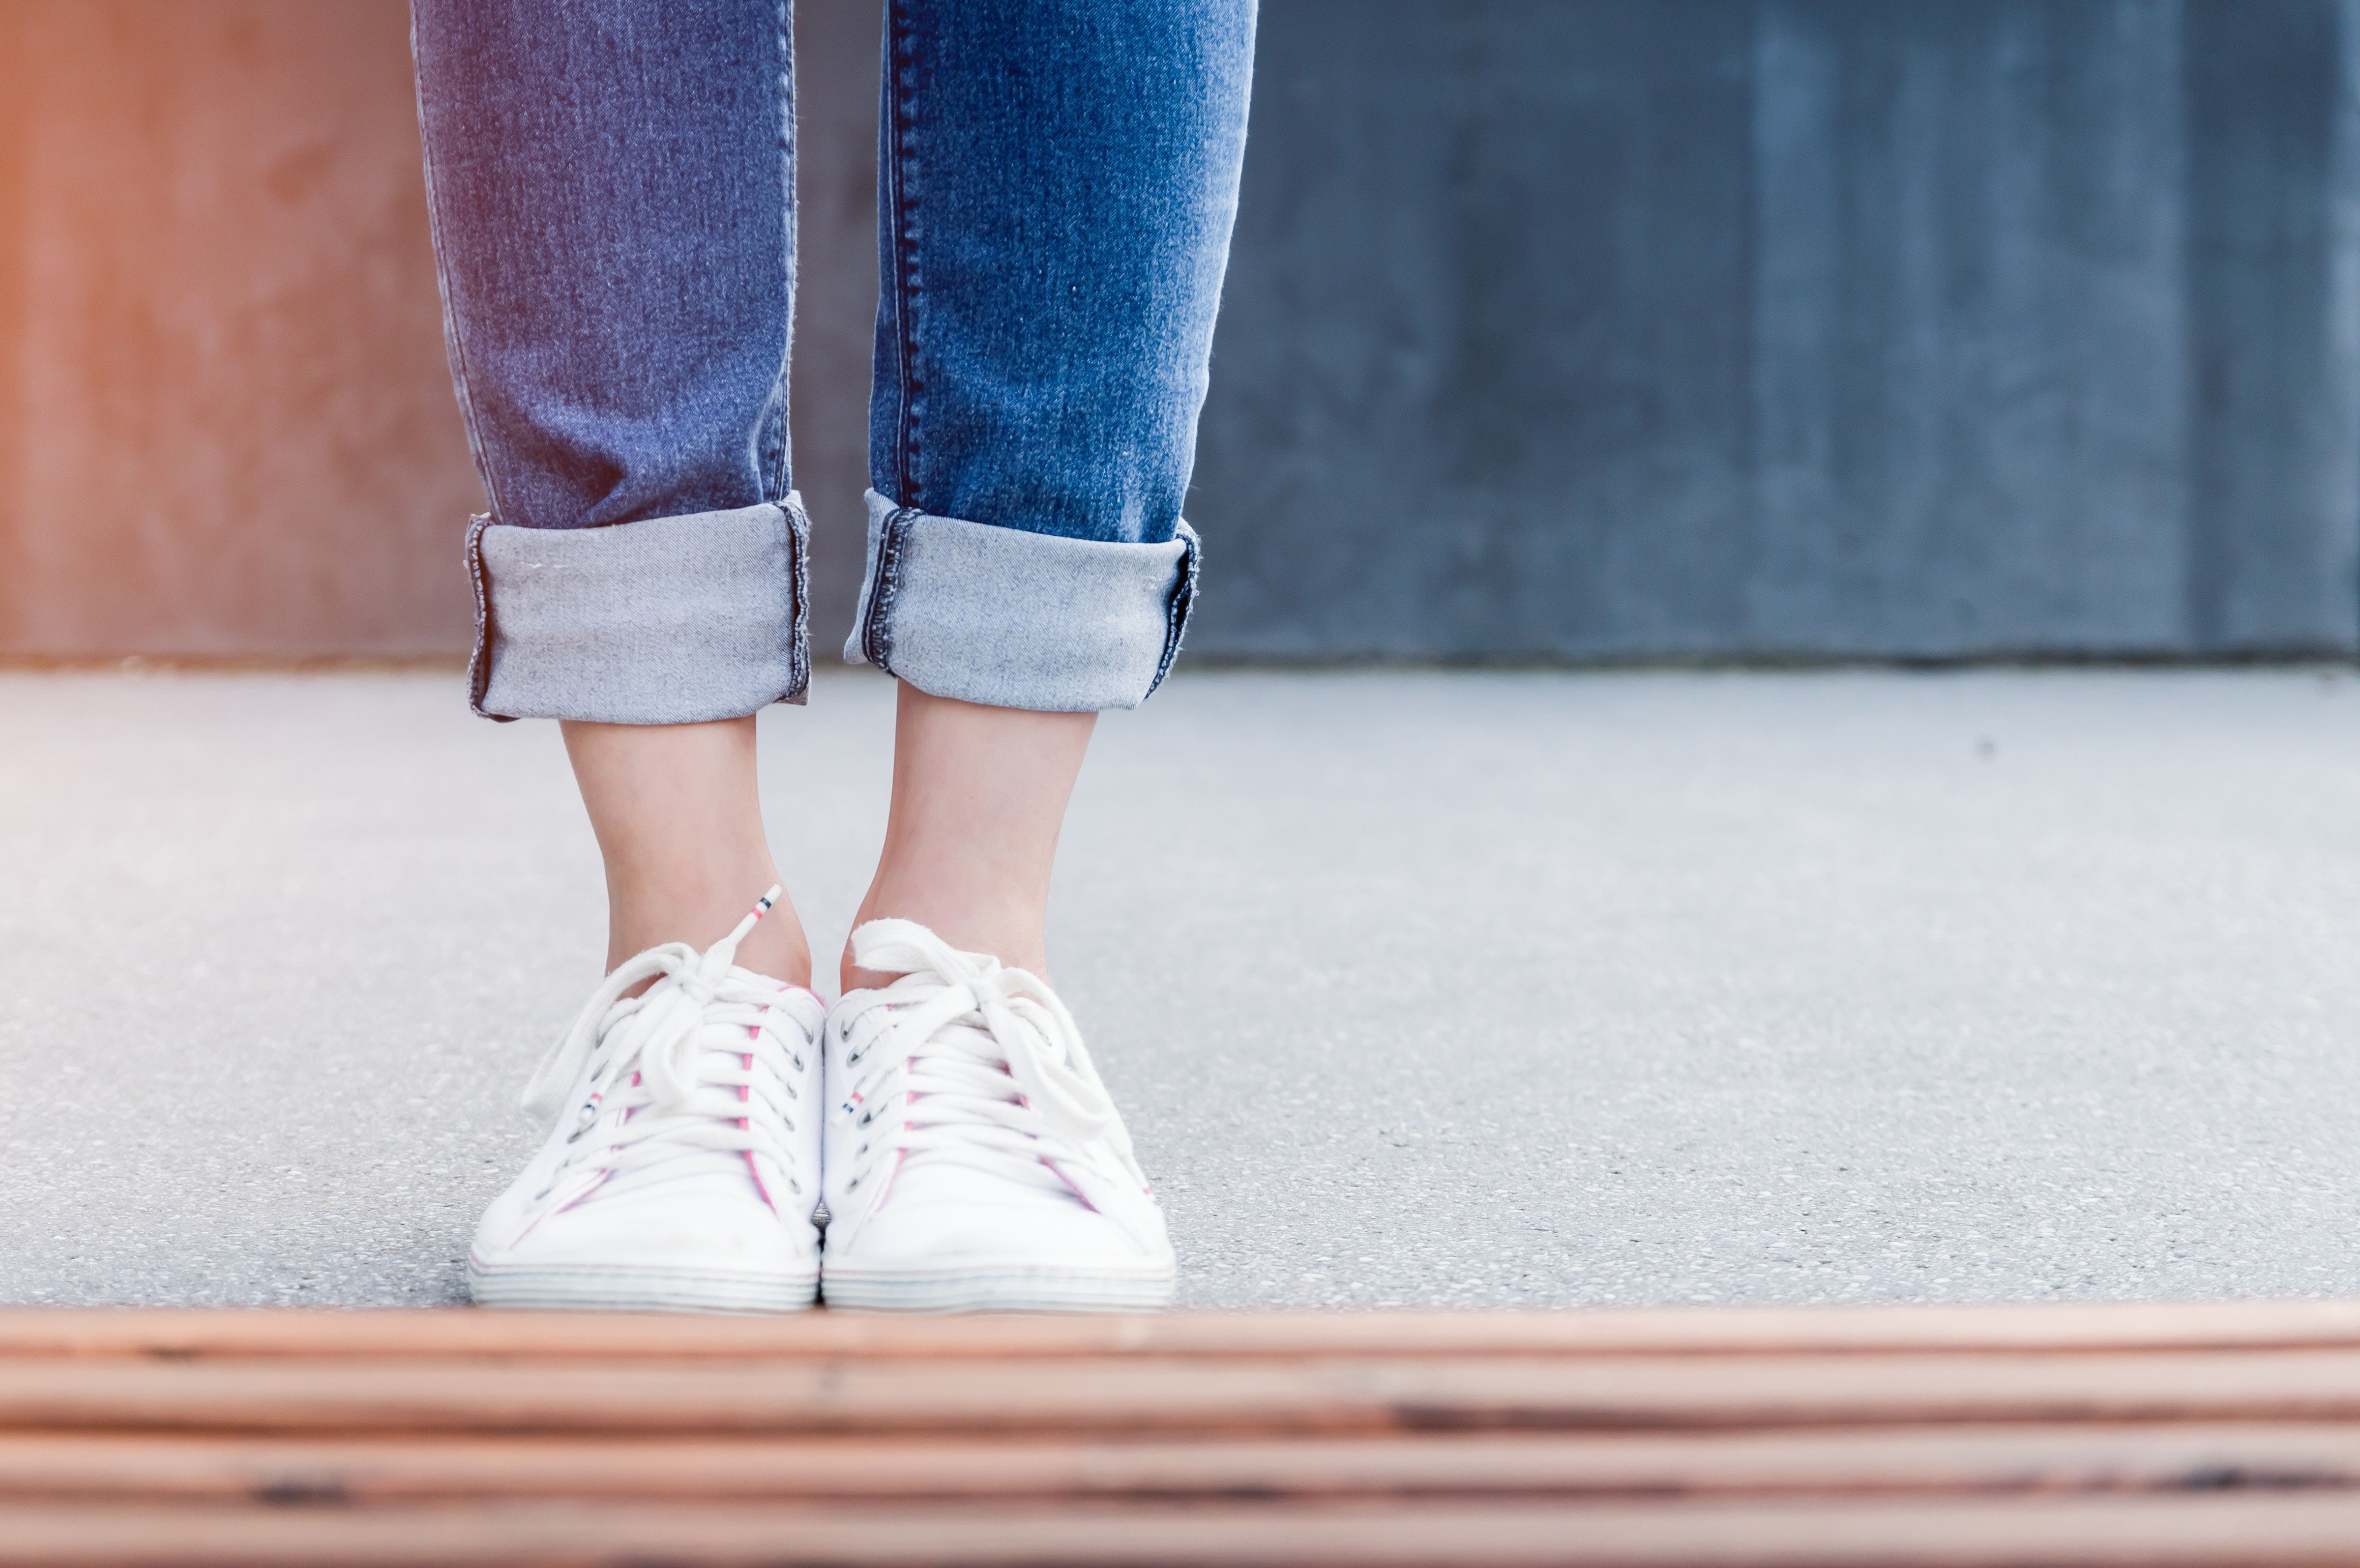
<point>639,1289</point>
<point>986,1289</point>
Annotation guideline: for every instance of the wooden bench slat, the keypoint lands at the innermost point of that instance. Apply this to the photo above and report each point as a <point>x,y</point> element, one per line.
<point>2161,1532</point>
<point>1071,1395</point>
<point>2079,1328</point>
<point>2167,1435</point>
<point>1995,1461</point>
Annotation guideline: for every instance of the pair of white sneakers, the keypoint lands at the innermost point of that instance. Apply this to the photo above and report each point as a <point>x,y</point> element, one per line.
<point>965,1150</point>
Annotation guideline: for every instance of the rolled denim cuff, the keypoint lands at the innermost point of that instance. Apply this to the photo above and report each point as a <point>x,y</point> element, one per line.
<point>1020,620</point>
<point>664,621</point>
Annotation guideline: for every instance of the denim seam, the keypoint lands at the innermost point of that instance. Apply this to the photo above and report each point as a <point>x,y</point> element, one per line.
<point>901,158</point>
<point>479,660</point>
<point>877,631</point>
<point>798,600</point>
<point>782,469</point>
<point>454,344</point>
<point>1183,603</point>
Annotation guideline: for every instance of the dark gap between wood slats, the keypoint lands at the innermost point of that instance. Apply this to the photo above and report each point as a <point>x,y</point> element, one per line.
<point>2174,1532</point>
<point>1628,1393</point>
<point>1942,1460</point>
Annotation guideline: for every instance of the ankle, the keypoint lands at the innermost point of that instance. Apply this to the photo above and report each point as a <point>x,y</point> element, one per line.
<point>678,814</point>
<point>781,951</point>
<point>1013,935</point>
<point>700,914</point>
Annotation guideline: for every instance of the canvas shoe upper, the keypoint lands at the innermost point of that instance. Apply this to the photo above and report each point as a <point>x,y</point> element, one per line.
<point>682,1165</point>
<point>973,1158</point>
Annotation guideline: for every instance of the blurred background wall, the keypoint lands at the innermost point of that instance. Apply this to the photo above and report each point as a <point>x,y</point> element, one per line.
<point>1555,329</point>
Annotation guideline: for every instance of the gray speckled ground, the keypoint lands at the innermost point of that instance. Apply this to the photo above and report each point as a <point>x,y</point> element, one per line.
<point>1419,988</point>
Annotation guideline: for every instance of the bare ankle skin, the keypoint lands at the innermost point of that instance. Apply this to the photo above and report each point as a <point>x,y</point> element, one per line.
<point>978,796</point>
<point>678,821</point>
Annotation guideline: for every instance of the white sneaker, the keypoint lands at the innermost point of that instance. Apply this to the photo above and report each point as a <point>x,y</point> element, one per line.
<point>683,1170</point>
<point>973,1158</point>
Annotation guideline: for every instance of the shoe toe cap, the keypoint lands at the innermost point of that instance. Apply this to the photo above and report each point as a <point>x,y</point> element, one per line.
<point>933,1216</point>
<point>656,1228</point>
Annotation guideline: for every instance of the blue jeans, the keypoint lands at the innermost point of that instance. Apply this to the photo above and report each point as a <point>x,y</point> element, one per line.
<point>612,188</point>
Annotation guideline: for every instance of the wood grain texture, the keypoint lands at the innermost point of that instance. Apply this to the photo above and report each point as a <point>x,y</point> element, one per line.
<point>2076,1327</point>
<point>1995,1461</point>
<point>2207,1532</point>
<point>1206,1395</point>
<point>2217,1435</point>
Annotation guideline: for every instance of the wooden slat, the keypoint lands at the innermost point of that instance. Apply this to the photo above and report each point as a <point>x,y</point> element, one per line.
<point>1073,1394</point>
<point>1886,1461</point>
<point>2163,1436</point>
<point>2169,1532</point>
<point>2077,1328</point>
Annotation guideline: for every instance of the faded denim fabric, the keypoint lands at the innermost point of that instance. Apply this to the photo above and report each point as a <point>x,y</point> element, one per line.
<point>995,609</point>
<point>668,620</point>
<point>611,186</point>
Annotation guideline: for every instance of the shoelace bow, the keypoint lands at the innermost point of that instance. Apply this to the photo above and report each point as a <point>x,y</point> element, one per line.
<point>652,1061</point>
<point>994,1072</point>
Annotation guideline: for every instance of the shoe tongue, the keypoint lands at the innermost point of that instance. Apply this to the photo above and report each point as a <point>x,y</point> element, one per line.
<point>797,1002</point>
<point>965,1041</point>
<point>794,1002</point>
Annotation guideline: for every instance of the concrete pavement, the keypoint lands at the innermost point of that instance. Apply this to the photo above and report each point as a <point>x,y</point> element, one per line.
<point>1419,988</point>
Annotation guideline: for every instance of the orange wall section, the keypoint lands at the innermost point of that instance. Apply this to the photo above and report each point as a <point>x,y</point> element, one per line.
<point>226,423</point>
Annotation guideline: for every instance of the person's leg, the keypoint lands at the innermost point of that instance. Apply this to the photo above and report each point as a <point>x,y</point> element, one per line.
<point>978,796</point>
<point>679,827</point>
<point>610,186</point>
<point>1056,184</point>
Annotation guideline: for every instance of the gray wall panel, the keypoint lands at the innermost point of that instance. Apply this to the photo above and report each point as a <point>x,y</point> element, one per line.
<point>1814,328</point>
<point>2272,416</point>
<point>1969,338</point>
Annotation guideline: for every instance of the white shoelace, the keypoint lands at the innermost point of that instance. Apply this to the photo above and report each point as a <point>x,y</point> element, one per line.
<point>657,1086</point>
<point>989,1065</point>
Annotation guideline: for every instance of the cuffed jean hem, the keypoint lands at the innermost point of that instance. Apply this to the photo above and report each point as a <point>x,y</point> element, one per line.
<point>1020,620</point>
<point>664,621</point>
